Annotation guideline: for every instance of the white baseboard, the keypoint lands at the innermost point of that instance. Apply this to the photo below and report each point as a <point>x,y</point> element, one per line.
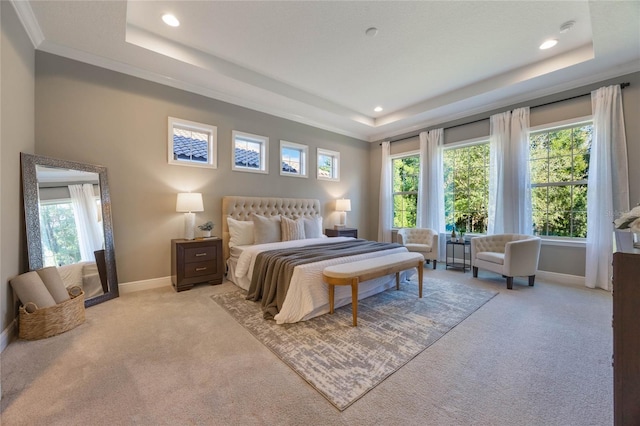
<point>133,286</point>
<point>556,277</point>
<point>7,335</point>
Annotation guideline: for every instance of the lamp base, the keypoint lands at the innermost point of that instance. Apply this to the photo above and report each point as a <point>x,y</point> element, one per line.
<point>189,226</point>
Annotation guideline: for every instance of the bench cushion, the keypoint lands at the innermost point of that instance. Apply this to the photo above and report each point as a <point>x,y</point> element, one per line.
<point>370,266</point>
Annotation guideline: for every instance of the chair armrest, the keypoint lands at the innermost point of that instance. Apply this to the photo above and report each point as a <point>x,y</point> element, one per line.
<point>521,257</point>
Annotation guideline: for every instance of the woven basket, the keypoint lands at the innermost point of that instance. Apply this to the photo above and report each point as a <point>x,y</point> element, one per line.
<point>54,320</point>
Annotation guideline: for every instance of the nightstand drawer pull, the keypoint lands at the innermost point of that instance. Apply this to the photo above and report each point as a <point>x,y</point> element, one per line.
<point>201,254</point>
<point>201,269</point>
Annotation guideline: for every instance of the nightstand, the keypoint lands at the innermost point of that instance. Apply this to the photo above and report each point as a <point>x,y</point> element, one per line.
<point>196,261</point>
<point>344,232</point>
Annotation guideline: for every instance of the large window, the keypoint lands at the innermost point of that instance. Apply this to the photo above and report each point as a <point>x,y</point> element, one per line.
<point>406,178</point>
<point>466,193</point>
<point>192,144</point>
<point>559,160</point>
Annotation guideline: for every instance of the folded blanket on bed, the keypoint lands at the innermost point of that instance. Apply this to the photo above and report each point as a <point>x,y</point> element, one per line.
<point>273,269</point>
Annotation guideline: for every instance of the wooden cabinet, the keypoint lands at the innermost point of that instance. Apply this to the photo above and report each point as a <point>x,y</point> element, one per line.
<point>196,261</point>
<point>344,232</point>
<point>626,331</point>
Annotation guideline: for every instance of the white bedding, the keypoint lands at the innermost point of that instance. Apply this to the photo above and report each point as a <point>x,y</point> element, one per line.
<point>307,296</point>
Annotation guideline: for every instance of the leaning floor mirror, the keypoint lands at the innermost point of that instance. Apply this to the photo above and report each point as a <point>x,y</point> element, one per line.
<point>68,223</point>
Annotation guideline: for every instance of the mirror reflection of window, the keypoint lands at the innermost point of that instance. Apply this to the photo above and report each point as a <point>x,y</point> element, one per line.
<point>58,233</point>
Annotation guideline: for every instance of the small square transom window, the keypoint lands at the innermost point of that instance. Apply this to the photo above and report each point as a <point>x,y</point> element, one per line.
<point>192,144</point>
<point>250,153</point>
<point>294,159</point>
<point>328,165</point>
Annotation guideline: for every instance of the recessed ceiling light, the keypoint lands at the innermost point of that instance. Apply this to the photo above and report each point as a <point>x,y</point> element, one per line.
<point>378,109</point>
<point>371,32</point>
<point>170,20</point>
<point>548,44</point>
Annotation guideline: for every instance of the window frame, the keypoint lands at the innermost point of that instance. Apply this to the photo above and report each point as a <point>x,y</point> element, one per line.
<point>263,141</point>
<point>482,140</point>
<point>304,159</point>
<point>398,156</point>
<point>550,127</point>
<point>335,164</point>
<point>212,142</point>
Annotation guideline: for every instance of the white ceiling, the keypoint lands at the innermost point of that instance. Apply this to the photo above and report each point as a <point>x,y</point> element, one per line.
<point>311,62</point>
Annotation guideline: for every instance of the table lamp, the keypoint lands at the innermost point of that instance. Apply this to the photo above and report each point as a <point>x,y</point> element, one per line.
<point>343,205</point>
<point>189,202</point>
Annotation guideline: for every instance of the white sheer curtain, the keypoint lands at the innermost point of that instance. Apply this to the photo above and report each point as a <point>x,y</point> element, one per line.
<point>431,188</point>
<point>85,212</point>
<point>385,218</point>
<point>608,184</point>
<point>509,181</point>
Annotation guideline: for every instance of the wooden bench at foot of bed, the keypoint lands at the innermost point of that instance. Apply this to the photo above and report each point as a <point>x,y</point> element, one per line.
<point>368,269</point>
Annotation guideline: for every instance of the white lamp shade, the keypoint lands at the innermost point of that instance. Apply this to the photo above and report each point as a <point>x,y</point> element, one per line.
<point>189,202</point>
<point>343,205</point>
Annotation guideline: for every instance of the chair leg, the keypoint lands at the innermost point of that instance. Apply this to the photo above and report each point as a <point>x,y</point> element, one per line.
<point>475,272</point>
<point>532,279</point>
<point>434,264</point>
<point>509,283</point>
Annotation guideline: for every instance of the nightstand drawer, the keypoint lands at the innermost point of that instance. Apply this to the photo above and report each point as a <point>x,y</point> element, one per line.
<point>199,269</point>
<point>195,262</point>
<point>199,254</point>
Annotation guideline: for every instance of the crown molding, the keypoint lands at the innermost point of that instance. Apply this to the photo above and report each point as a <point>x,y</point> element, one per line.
<point>29,22</point>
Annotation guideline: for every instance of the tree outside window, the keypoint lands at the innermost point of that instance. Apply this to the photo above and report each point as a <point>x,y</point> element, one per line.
<point>406,178</point>
<point>559,161</point>
<point>466,193</point>
<point>59,234</point>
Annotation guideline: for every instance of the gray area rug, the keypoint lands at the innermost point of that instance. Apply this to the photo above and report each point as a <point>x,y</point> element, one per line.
<point>343,362</point>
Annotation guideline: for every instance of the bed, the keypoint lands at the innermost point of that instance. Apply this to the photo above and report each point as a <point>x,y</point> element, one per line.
<point>307,294</point>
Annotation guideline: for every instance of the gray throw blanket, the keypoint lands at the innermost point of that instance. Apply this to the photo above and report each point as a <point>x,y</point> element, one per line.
<point>273,269</point>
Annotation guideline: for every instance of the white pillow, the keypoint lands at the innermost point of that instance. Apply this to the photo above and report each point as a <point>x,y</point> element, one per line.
<point>292,229</point>
<point>240,232</point>
<point>266,229</point>
<point>30,289</point>
<point>313,227</point>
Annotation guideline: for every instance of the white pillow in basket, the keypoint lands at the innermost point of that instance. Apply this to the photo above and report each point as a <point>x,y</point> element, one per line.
<point>30,289</point>
<point>52,280</point>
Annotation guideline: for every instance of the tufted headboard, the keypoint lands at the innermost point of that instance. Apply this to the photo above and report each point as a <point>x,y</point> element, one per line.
<point>240,208</point>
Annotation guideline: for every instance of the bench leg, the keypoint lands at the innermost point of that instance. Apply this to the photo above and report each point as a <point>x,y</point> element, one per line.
<point>354,301</point>
<point>331,296</point>
<point>397,280</point>
<point>420,271</point>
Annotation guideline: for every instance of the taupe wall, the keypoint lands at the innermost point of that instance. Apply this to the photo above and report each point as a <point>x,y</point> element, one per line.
<point>89,114</point>
<point>17,67</point>
<point>565,260</point>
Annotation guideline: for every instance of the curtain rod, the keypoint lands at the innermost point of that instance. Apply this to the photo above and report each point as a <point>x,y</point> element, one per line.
<point>622,86</point>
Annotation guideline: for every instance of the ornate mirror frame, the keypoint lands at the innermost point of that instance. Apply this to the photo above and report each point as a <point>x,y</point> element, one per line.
<point>32,216</point>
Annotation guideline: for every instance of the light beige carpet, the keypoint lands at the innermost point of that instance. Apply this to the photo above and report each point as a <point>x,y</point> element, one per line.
<point>343,362</point>
<point>531,356</point>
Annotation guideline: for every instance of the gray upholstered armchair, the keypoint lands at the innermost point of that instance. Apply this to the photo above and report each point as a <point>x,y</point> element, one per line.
<point>511,255</point>
<point>420,240</point>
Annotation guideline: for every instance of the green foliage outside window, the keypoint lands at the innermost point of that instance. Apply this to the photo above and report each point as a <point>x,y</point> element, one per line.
<point>466,188</point>
<point>406,171</point>
<point>559,161</point>
<point>59,235</point>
